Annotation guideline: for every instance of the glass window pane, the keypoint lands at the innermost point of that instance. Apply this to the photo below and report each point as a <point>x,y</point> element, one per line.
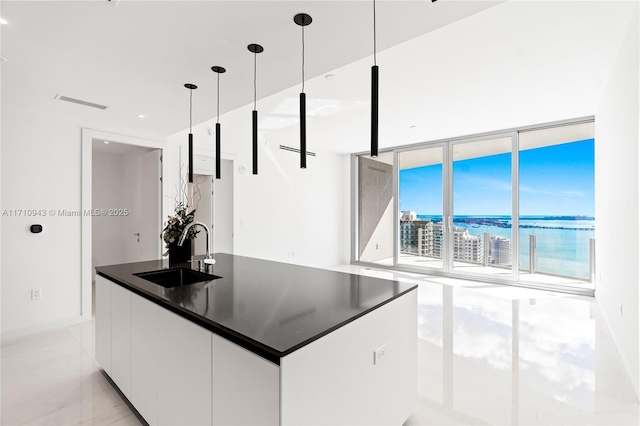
<point>482,203</point>
<point>557,203</point>
<point>421,233</point>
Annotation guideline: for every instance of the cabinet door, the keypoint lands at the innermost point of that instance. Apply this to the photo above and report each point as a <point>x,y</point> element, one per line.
<point>184,374</point>
<point>121,338</point>
<point>144,354</point>
<point>103,323</point>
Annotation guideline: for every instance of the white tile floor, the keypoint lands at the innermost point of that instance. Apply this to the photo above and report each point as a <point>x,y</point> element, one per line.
<point>486,355</point>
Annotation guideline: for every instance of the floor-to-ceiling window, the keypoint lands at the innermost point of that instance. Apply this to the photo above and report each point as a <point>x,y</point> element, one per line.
<point>557,203</point>
<point>482,206</point>
<point>514,206</point>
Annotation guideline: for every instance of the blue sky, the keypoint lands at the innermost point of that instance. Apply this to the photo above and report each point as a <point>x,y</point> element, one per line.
<point>554,181</point>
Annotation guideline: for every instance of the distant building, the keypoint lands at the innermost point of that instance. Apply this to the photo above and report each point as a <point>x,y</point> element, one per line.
<point>467,248</point>
<point>499,251</point>
<point>430,240</point>
<point>425,238</point>
<point>408,216</point>
<point>420,237</point>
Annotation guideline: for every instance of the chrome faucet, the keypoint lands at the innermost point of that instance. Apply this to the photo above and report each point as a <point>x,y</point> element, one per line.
<point>208,259</point>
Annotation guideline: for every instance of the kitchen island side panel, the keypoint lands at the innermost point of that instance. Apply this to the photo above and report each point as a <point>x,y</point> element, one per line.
<point>246,387</point>
<point>338,371</point>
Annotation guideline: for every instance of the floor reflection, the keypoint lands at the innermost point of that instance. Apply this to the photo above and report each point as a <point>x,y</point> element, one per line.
<point>488,356</point>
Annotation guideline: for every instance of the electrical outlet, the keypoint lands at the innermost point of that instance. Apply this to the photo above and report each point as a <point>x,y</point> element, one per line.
<point>378,354</point>
<point>36,293</point>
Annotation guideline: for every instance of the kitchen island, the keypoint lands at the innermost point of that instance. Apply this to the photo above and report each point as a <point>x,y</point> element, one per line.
<point>262,343</point>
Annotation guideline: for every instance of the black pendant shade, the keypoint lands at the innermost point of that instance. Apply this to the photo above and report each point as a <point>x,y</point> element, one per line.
<point>218,150</point>
<point>218,70</point>
<point>255,49</point>
<point>374,111</point>
<point>374,92</point>
<point>191,87</point>
<point>302,19</point>
<point>303,131</point>
<point>190,157</point>
<point>254,146</point>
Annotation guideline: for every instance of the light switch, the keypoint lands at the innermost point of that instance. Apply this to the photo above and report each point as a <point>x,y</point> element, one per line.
<point>378,354</point>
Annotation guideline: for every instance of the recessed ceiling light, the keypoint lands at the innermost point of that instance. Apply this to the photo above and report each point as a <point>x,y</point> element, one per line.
<point>413,126</point>
<point>141,116</point>
<point>331,77</point>
<point>107,142</point>
<point>3,21</point>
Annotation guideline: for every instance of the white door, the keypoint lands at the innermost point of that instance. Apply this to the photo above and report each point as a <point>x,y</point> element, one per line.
<point>143,194</point>
<point>204,211</point>
<point>223,209</point>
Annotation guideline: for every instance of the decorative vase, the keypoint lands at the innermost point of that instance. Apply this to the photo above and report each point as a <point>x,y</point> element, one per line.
<point>179,254</point>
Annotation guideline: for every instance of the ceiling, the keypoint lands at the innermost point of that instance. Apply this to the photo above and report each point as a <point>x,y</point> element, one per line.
<point>136,56</point>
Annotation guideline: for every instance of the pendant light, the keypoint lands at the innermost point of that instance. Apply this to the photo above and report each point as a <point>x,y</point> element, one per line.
<point>218,70</point>
<point>255,49</point>
<point>191,87</point>
<point>303,20</point>
<point>374,92</point>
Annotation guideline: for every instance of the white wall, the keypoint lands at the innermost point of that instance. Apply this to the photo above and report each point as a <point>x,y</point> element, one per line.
<point>284,213</point>
<point>617,198</point>
<point>40,170</point>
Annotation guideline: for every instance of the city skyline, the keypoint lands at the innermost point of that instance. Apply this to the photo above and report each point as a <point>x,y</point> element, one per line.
<point>556,180</point>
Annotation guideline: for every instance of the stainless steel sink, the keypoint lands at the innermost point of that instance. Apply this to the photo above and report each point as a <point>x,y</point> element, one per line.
<point>176,277</point>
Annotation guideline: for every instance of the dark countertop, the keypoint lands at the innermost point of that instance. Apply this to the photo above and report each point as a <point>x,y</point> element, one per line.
<point>269,308</point>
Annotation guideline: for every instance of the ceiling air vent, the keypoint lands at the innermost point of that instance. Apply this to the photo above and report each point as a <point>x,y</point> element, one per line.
<point>81,102</point>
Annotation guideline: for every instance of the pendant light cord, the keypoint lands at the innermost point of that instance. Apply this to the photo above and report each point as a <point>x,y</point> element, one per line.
<point>190,107</point>
<point>218,103</point>
<point>255,79</point>
<point>303,59</point>
<point>374,34</point>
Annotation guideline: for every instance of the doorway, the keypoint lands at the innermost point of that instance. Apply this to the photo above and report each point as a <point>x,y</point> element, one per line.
<point>126,186</point>
<point>213,200</point>
<point>122,223</point>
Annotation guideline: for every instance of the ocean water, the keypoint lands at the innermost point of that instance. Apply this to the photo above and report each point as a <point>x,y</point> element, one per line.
<point>562,245</point>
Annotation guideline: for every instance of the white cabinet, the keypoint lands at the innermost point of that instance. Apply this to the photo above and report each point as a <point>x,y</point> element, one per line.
<point>246,387</point>
<point>177,373</point>
<point>335,381</point>
<point>184,371</point>
<point>160,361</point>
<point>103,323</point>
<point>144,357</point>
<point>121,338</point>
